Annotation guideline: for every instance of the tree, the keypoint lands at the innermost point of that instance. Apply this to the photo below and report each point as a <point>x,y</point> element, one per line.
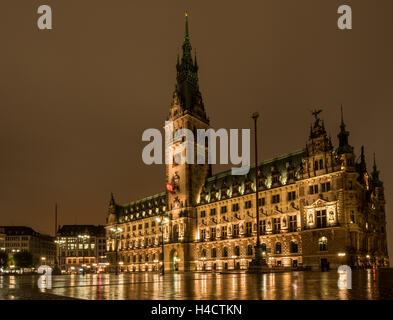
<point>23,259</point>
<point>3,259</point>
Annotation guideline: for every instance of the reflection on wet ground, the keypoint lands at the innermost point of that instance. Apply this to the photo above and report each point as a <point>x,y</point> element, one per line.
<point>366,284</point>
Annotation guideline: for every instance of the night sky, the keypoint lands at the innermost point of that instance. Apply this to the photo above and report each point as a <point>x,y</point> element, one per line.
<point>75,100</point>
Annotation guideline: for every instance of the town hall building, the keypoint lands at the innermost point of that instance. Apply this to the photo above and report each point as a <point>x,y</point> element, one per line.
<point>319,206</point>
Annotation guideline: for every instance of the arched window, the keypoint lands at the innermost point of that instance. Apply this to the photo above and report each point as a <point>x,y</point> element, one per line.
<point>225,252</point>
<point>249,250</point>
<point>294,246</point>
<point>263,247</point>
<point>237,251</point>
<point>323,244</point>
<point>278,248</point>
<point>203,252</point>
<point>214,252</point>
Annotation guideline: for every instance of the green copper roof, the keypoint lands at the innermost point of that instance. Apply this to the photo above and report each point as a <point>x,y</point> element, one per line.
<point>224,182</point>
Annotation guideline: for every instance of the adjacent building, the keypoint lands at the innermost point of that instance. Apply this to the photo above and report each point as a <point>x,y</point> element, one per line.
<point>2,239</point>
<point>41,246</point>
<point>319,206</point>
<point>81,247</point>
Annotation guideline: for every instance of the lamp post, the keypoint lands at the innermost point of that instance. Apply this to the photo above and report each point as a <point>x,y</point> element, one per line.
<point>258,249</point>
<point>83,237</point>
<point>116,231</point>
<point>59,243</point>
<point>162,220</point>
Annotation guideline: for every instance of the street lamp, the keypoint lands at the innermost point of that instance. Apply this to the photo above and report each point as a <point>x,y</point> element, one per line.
<point>116,231</point>
<point>162,220</point>
<point>59,243</point>
<point>83,238</point>
<point>258,261</point>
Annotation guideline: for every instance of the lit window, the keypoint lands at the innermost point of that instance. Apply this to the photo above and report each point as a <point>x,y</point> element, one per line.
<point>322,244</point>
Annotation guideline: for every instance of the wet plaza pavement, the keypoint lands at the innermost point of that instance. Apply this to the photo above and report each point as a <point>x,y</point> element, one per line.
<point>301,285</point>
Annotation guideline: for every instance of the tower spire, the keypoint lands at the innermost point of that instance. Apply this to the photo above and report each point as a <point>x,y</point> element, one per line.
<point>187,87</point>
<point>186,28</point>
<point>342,117</point>
<point>187,44</point>
<point>375,174</point>
<point>112,202</point>
<point>344,146</point>
<point>362,165</point>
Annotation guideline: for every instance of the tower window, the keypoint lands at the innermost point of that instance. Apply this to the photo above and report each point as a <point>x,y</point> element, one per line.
<point>352,216</point>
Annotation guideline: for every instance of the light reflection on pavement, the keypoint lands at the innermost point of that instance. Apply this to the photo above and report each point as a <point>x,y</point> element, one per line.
<point>366,284</point>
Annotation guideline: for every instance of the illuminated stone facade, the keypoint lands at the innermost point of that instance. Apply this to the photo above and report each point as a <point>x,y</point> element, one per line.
<point>318,206</point>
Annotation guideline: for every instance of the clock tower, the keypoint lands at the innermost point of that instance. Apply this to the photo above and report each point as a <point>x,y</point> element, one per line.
<point>187,111</point>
